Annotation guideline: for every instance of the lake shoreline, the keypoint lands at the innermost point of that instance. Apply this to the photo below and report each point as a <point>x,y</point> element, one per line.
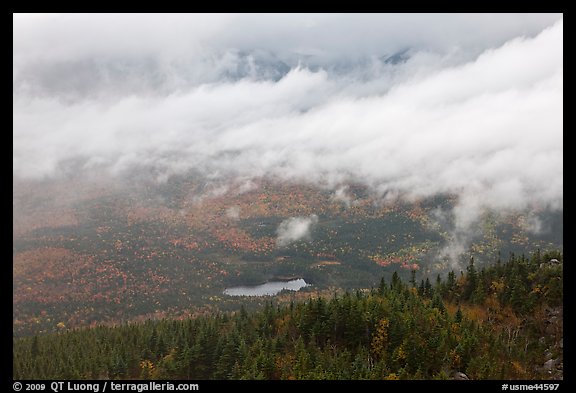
<point>268,288</point>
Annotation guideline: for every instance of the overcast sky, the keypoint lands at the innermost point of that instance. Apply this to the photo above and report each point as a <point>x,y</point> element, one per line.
<point>410,104</point>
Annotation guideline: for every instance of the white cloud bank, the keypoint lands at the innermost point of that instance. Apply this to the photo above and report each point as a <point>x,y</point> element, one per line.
<point>233,212</point>
<point>473,106</point>
<point>295,228</point>
<point>341,195</point>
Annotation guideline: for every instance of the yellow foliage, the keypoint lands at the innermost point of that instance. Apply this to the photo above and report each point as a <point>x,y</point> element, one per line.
<point>537,290</point>
<point>492,303</point>
<point>380,338</point>
<point>392,377</point>
<point>475,313</point>
<point>519,370</point>
<point>147,365</point>
<point>498,286</point>
<point>400,353</point>
<point>455,358</point>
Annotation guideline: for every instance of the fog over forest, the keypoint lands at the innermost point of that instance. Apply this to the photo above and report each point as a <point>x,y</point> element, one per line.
<point>408,105</point>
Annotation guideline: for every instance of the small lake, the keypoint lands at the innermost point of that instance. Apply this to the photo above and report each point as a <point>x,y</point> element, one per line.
<point>270,288</point>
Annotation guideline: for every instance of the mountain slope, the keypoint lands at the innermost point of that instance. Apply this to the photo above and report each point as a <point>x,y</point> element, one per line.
<point>109,254</point>
<point>492,323</point>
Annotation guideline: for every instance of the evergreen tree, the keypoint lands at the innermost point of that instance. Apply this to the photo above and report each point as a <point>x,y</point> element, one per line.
<point>471,280</point>
<point>458,316</point>
<point>396,284</point>
<point>427,288</point>
<point>413,278</point>
<point>34,350</point>
<point>377,335</point>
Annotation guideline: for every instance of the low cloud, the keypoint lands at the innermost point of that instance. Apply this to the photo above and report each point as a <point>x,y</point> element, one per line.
<point>534,224</point>
<point>295,228</point>
<point>341,195</point>
<point>233,212</point>
<point>210,191</point>
<point>246,186</point>
<point>466,105</point>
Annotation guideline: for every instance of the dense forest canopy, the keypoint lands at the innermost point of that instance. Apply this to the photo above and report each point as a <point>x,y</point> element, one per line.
<point>143,250</point>
<point>498,322</point>
<point>405,170</point>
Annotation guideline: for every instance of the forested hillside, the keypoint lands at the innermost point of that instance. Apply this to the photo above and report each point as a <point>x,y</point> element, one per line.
<point>149,251</point>
<point>498,322</point>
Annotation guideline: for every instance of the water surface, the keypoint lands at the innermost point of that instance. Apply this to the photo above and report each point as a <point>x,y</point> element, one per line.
<point>269,288</point>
